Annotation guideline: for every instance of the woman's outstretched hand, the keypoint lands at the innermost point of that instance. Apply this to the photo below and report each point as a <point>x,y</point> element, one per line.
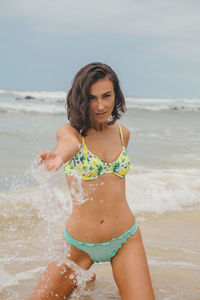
<point>51,160</point>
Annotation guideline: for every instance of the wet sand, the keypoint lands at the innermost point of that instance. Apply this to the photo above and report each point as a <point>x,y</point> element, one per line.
<point>173,249</point>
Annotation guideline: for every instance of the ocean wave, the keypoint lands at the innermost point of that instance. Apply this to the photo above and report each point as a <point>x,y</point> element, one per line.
<point>34,94</point>
<point>159,190</point>
<point>32,101</point>
<point>163,104</point>
<point>166,132</point>
<point>32,108</point>
<point>53,109</point>
<point>155,190</point>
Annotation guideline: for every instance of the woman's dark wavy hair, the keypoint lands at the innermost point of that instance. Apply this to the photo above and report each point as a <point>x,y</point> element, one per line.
<point>77,101</point>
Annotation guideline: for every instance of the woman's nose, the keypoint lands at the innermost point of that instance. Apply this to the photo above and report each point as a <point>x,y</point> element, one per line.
<point>100,104</point>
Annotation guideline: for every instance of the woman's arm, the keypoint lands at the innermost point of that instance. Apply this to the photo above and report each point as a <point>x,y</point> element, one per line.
<point>67,146</point>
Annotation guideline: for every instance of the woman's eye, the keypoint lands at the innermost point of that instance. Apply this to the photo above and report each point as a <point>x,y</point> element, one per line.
<point>104,96</point>
<point>91,98</point>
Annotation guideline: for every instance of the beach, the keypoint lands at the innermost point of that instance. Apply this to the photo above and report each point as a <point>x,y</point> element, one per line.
<point>163,191</point>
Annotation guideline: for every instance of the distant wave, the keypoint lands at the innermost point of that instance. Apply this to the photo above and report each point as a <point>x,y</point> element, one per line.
<point>163,104</point>
<point>43,95</point>
<point>53,102</point>
<point>32,108</point>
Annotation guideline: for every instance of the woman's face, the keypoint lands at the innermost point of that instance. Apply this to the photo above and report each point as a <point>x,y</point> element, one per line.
<point>102,100</point>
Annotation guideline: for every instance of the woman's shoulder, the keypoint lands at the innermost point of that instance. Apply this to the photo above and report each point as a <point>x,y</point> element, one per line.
<point>125,133</point>
<point>67,130</point>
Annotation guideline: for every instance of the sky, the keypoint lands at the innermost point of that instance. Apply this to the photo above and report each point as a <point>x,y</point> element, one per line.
<point>152,45</point>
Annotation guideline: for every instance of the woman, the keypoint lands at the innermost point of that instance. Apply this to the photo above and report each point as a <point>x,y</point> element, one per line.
<point>101,227</point>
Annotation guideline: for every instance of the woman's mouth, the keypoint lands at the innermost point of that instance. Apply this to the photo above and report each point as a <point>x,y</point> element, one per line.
<point>101,115</point>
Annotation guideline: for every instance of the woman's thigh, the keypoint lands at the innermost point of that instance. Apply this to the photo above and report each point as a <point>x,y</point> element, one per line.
<point>59,280</point>
<point>130,270</point>
<point>80,258</point>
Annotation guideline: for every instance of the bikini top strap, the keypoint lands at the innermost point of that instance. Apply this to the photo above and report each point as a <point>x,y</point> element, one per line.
<point>121,134</point>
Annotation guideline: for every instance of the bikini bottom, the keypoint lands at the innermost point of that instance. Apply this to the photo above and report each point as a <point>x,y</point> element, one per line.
<point>101,252</point>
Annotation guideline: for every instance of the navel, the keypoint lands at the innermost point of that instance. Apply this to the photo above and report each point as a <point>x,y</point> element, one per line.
<point>101,221</point>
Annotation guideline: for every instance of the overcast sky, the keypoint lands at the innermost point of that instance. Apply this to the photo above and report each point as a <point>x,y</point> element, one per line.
<point>153,45</point>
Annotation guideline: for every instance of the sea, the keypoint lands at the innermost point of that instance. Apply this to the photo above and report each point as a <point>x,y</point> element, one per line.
<point>163,191</point>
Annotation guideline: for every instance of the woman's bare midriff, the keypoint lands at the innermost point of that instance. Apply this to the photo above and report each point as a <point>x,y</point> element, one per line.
<point>105,213</point>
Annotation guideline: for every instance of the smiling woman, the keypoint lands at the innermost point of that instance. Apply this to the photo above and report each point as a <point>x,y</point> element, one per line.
<point>94,86</point>
<point>94,103</point>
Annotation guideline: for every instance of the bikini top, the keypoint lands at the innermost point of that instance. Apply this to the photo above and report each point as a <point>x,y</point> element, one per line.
<point>90,166</point>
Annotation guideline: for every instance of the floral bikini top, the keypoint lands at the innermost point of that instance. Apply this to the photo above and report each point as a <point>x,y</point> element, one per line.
<point>90,166</point>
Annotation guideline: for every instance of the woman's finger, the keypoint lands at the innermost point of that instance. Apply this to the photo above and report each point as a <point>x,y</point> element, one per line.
<point>45,154</point>
<point>42,154</point>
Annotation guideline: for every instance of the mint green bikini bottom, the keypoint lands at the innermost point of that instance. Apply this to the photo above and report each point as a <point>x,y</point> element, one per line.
<point>101,252</point>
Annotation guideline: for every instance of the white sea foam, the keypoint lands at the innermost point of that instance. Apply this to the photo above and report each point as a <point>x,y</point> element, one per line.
<point>31,107</point>
<point>155,190</point>
<point>163,104</point>
<point>42,211</point>
<point>161,190</point>
<point>48,102</point>
<point>7,279</point>
<point>59,95</point>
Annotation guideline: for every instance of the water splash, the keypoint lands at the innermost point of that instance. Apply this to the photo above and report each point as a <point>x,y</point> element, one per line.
<point>33,214</point>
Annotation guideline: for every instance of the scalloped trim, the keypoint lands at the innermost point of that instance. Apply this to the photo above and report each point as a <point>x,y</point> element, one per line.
<point>124,236</point>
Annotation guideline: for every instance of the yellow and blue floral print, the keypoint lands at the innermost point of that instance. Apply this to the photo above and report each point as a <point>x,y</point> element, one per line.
<point>90,166</point>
